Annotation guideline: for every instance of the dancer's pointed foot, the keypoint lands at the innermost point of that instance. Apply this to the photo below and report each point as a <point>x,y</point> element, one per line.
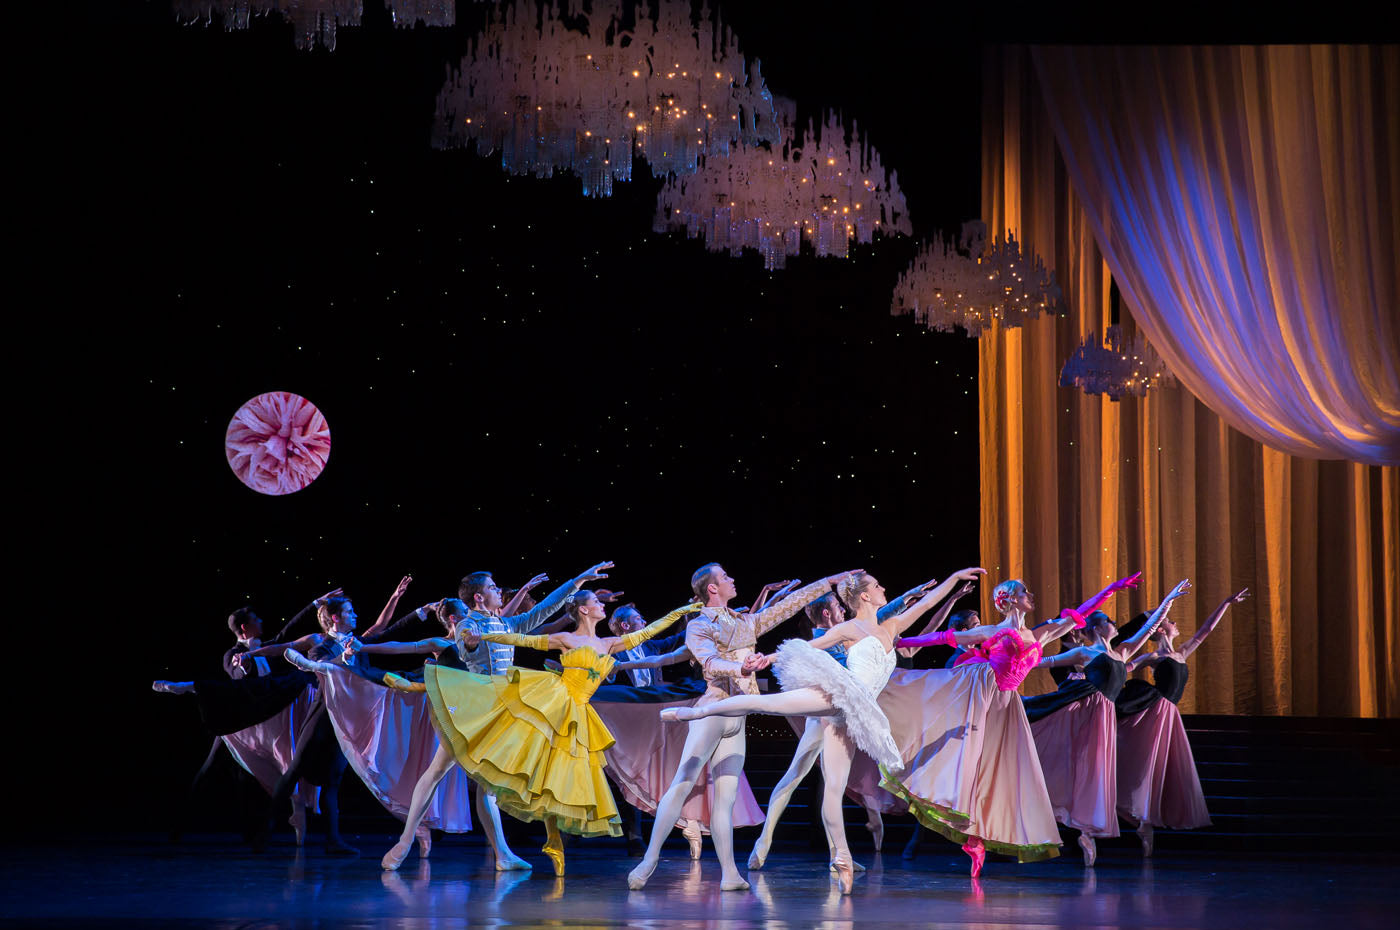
<point>638,877</point>
<point>673,714</point>
<point>876,826</point>
<point>845,874</point>
<point>854,865</point>
<point>510,862</point>
<point>335,846</point>
<point>298,823</point>
<point>976,851</point>
<point>758,856</point>
<point>1144,832</point>
<point>692,834</point>
<point>733,883</point>
<point>1091,851</point>
<point>425,841</point>
<point>395,856</point>
<point>554,847</point>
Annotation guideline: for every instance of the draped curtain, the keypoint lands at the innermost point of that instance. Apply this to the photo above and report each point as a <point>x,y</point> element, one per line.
<point>1077,489</point>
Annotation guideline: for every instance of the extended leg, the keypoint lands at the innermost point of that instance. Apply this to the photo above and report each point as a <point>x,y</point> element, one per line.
<point>803,702</point>
<point>836,770</point>
<point>422,795</point>
<point>701,739</point>
<point>489,813</point>
<point>808,748</point>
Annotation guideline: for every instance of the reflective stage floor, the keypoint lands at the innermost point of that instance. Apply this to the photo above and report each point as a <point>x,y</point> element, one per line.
<point>214,882</point>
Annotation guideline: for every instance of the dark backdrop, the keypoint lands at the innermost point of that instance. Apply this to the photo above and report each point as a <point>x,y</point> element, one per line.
<point>515,378</point>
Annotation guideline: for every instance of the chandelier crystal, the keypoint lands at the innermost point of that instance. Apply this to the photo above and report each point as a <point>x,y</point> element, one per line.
<point>313,21</point>
<point>589,96</point>
<point>1115,366</point>
<point>816,187</point>
<point>971,286</point>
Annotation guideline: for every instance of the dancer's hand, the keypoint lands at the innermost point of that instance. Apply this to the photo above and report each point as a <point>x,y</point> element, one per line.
<point>969,574</point>
<point>333,592</point>
<point>534,582</point>
<point>964,590</point>
<point>470,639</point>
<point>605,596</point>
<point>1239,597</point>
<point>755,662</point>
<point>1130,582</point>
<point>404,582</point>
<point>593,574</point>
<point>839,577</point>
<point>1181,588</point>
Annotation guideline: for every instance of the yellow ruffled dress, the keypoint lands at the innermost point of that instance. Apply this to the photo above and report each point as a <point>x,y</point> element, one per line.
<point>531,738</point>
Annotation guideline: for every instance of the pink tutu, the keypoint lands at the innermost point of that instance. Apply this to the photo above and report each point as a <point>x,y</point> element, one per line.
<point>971,763</point>
<point>646,755</point>
<point>1078,748</point>
<point>389,740</point>
<point>265,749</point>
<point>1157,779</point>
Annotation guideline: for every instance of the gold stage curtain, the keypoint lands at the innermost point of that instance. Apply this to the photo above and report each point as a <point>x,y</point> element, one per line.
<point>1078,489</point>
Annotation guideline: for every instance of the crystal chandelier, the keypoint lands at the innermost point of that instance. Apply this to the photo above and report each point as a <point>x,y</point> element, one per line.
<point>313,21</point>
<point>974,284</point>
<point>588,97</point>
<point>817,187</point>
<point>1115,367</point>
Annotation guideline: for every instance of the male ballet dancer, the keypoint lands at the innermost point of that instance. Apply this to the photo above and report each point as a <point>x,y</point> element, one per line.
<point>722,641</point>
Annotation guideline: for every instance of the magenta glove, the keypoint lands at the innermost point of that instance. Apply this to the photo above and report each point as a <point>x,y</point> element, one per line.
<point>941,638</point>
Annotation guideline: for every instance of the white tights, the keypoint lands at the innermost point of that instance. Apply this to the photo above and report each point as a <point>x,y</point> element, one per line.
<point>487,811</point>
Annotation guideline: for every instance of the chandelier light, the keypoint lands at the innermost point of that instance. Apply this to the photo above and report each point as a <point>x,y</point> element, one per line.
<point>590,96</point>
<point>971,286</point>
<point>1115,367</point>
<point>816,187</point>
<point>313,21</point>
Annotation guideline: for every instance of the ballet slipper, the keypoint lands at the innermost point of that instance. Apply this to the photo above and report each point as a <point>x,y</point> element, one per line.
<point>1091,851</point>
<point>425,841</point>
<point>554,846</point>
<point>854,864</point>
<point>638,877</point>
<point>1144,832</point>
<point>977,852</point>
<point>395,856</point>
<point>758,856</point>
<point>298,823</point>
<point>845,874</point>
<point>510,862</point>
<point>876,826</point>
<point>692,834</point>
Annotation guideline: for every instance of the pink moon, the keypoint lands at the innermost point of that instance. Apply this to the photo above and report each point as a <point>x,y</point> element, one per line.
<point>277,443</point>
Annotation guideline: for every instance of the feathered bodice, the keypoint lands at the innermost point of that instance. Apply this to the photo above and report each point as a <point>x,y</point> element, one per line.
<point>870,663</point>
<point>1009,655</point>
<point>584,670</point>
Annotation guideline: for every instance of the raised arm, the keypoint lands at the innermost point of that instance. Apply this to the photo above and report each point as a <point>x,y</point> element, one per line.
<point>514,604</point>
<point>387,614</point>
<point>650,631</point>
<point>901,622</point>
<point>1134,643</point>
<point>904,600</point>
<point>1212,621</point>
<point>302,614</point>
<point>524,623</point>
<point>940,616</point>
<point>1077,614</point>
<point>778,589</point>
<point>774,614</point>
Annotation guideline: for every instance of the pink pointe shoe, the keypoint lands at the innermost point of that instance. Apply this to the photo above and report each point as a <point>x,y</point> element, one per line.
<point>1091,851</point>
<point>395,857</point>
<point>977,853</point>
<point>425,841</point>
<point>693,836</point>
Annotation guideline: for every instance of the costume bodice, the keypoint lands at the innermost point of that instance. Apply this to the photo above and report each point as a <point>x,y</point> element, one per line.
<point>1169,677</point>
<point>870,664</point>
<point>1106,674</point>
<point>584,670</point>
<point>1009,655</point>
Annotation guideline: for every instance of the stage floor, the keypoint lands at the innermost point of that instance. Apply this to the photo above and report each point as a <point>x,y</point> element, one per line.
<point>210,882</point>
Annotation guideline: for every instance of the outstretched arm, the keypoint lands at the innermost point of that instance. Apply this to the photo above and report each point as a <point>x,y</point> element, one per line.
<point>840,633</point>
<point>514,604</point>
<point>1212,621</point>
<point>542,611</point>
<point>650,631</point>
<point>1072,618</point>
<point>1075,656</point>
<point>674,657</point>
<point>387,613</point>
<point>903,621</point>
<point>940,616</point>
<point>276,649</point>
<point>778,589</point>
<point>433,644</point>
<point>1134,643</point>
<point>300,615</point>
<point>904,600</point>
<point>541,643</point>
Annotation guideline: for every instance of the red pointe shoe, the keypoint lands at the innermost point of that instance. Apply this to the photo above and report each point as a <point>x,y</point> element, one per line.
<point>977,853</point>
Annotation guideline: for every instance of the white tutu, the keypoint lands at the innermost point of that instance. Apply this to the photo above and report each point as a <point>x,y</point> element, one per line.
<point>799,665</point>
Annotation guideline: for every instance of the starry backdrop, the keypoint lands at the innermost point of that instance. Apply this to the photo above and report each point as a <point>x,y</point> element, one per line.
<point>515,378</point>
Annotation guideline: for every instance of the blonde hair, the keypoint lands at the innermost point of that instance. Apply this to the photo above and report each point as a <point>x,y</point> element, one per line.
<point>1004,592</point>
<point>848,589</point>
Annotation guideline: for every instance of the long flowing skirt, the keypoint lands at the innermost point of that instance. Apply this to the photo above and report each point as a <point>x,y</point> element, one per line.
<point>1078,748</point>
<point>389,740</point>
<point>648,751</point>
<point>265,749</point>
<point>1157,779</point>
<point>523,737</point>
<point>970,760</point>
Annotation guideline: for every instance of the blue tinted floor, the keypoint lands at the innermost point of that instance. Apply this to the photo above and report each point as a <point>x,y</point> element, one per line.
<point>207,882</point>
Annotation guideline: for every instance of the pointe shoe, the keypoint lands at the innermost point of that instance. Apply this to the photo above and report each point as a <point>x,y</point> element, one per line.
<point>425,841</point>
<point>978,855</point>
<point>733,884</point>
<point>395,856</point>
<point>556,857</point>
<point>845,874</point>
<point>1144,832</point>
<point>1091,851</point>
<point>855,866</point>
<point>692,835</point>
<point>298,823</point>
<point>877,833</point>
<point>637,878</point>
<point>758,857</point>
<point>510,862</point>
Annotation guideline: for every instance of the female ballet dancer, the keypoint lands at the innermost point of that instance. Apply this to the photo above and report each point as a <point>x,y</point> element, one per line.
<point>972,773</point>
<point>815,685</point>
<point>1158,785</point>
<point>1076,727</point>
<point>532,738</point>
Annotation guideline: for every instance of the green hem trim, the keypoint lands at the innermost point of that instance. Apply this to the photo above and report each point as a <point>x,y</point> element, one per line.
<point>946,822</point>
